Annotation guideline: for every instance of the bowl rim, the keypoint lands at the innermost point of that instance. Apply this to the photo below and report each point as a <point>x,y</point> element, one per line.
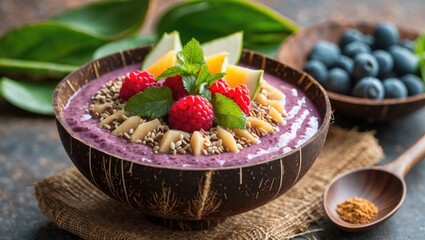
<point>348,98</point>
<point>324,126</point>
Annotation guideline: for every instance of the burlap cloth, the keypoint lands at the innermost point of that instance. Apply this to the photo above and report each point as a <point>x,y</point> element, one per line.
<point>74,204</point>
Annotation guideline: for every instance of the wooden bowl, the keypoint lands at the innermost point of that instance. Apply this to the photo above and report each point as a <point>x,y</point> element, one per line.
<point>294,52</point>
<point>190,198</point>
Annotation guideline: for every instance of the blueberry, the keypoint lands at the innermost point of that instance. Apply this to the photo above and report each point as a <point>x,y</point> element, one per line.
<point>386,35</point>
<point>350,35</point>
<point>345,63</point>
<point>394,88</point>
<point>369,40</point>
<point>338,81</point>
<point>408,44</point>
<point>326,52</point>
<point>385,61</point>
<point>369,87</point>
<point>317,70</point>
<point>405,62</point>
<point>365,65</point>
<point>413,84</point>
<point>354,48</point>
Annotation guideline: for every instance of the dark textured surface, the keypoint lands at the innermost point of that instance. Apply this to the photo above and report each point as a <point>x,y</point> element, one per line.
<point>30,149</point>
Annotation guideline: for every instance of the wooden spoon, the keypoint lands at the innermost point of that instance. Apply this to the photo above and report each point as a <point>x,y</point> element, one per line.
<point>382,185</point>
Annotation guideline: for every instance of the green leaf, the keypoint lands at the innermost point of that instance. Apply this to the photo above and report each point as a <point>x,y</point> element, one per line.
<point>192,53</point>
<point>227,113</point>
<point>264,29</point>
<point>172,71</point>
<point>32,97</point>
<point>153,102</point>
<point>205,91</point>
<point>203,74</point>
<point>49,42</point>
<point>192,68</point>
<point>124,44</point>
<point>189,83</point>
<point>213,78</point>
<point>107,20</point>
<point>420,52</point>
<point>35,68</point>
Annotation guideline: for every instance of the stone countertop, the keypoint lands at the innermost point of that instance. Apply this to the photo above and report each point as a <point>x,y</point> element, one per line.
<point>30,149</point>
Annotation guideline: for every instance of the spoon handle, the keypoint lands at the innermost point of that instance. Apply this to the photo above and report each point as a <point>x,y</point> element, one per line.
<point>409,158</point>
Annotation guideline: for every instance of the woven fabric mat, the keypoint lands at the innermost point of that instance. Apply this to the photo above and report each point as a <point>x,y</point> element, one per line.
<point>74,204</point>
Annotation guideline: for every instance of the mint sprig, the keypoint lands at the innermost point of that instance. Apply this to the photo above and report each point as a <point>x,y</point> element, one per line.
<point>196,79</point>
<point>153,102</point>
<point>194,71</point>
<point>227,113</point>
<point>189,83</point>
<point>192,53</point>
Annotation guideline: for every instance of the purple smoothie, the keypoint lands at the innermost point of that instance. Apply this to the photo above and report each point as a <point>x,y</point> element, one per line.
<point>302,123</point>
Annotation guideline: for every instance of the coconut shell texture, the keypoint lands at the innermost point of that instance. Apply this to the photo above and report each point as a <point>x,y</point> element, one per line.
<point>190,199</point>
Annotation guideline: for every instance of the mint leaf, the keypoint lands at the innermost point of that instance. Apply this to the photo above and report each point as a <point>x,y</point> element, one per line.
<point>204,91</point>
<point>192,68</point>
<point>213,78</point>
<point>227,113</point>
<point>180,58</point>
<point>192,53</point>
<point>171,72</point>
<point>189,83</point>
<point>153,102</point>
<point>203,74</point>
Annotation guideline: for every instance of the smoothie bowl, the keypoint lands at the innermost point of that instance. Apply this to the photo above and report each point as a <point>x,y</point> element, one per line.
<point>185,190</point>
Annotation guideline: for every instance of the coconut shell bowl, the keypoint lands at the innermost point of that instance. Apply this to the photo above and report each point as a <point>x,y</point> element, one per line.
<point>294,52</point>
<point>190,198</point>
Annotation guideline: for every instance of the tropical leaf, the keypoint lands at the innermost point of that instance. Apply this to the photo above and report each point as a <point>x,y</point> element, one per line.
<point>32,97</point>
<point>263,28</point>
<point>109,20</point>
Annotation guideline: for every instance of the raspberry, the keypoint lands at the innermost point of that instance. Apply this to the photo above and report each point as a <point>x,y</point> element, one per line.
<point>240,95</point>
<point>220,86</point>
<point>136,82</point>
<point>176,85</point>
<point>191,113</point>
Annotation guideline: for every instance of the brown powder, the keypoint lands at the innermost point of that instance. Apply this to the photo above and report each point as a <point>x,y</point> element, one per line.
<point>357,210</point>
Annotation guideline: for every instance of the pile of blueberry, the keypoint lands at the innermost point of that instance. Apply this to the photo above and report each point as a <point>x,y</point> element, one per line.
<point>373,66</point>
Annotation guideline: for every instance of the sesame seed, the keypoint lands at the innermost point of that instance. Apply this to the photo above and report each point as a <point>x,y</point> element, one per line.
<point>126,135</point>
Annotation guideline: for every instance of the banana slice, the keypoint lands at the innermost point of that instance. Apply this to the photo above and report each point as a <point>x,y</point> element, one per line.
<point>197,143</point>
<point>276,116</point>
<point>125,126</point>
<point>262,99</point>
<point>143,129</point>
<point>258,123</point>
<point>169,137</point>
<point>274,93</point>
<point>246,134</point>
<point>100,108</point>
<point>229,141</point>
<point>118,115</point>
